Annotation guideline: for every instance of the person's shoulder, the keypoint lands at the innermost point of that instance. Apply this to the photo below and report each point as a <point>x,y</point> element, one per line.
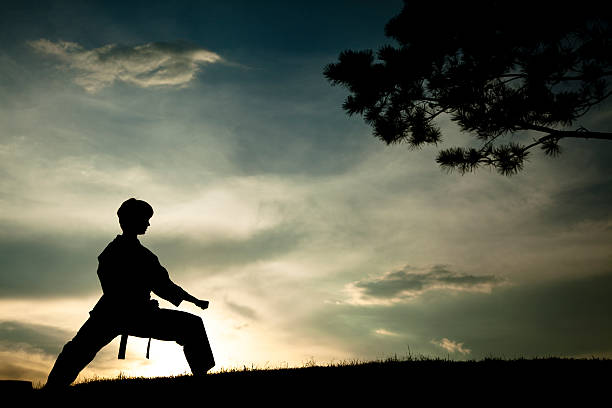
<point>144,248</point>
<point>111,247</point>
<point>119,247</point>
<point>146,251</point>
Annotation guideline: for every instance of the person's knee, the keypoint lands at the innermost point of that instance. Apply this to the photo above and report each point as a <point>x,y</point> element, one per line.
<point>72,353</point>
<point>79,349</point>
<point>69,347</point>
<point>196,326</point>
<point>193,329</point>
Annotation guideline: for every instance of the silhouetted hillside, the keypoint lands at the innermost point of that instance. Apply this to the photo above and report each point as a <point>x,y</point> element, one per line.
<point>489,382</point>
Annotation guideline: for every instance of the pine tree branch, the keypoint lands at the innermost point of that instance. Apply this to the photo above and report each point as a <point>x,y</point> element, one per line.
<point>561,134</point>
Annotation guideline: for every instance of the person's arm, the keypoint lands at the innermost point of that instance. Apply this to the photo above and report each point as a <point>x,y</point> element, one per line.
<point>173,293</point>
<point>202,304</point>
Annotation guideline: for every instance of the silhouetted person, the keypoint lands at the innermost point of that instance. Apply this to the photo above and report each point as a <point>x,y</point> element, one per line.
<point>128,273</point>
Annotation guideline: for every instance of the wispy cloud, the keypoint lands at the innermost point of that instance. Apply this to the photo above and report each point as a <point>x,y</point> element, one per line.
<point>146,65</point>
<point>451,346</point>
<point>384,332</point>
<point>24,365</point>
<point>16,335</point>
<point>242,310</point>
<point>410,282</point>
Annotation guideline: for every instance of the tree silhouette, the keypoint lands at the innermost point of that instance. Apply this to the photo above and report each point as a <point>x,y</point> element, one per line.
<point>502,76</point>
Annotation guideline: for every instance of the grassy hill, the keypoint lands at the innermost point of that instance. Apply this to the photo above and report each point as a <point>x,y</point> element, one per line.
<point>490,382</point>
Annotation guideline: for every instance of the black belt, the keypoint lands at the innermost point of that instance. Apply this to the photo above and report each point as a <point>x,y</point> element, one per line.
<point>123,343</point>
<point>123,346</point>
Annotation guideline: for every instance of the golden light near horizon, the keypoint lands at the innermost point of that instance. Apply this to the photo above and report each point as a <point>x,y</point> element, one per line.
<point>236,344</point>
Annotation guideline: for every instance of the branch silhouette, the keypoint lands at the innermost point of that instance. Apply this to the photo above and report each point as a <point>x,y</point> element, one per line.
<point>497,75</point>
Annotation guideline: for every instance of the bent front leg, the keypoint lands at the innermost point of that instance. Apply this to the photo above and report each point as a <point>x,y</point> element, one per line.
<point>197,347</point>
<point>184,328</point>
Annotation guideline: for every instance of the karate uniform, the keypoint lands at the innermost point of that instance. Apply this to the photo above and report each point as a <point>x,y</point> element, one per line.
<point>128,273</point>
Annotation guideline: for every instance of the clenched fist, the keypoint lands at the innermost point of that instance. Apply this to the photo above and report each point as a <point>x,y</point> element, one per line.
<point>202,304</point>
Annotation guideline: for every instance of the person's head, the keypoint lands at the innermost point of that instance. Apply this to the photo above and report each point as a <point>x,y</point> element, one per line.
<point>134,216</point>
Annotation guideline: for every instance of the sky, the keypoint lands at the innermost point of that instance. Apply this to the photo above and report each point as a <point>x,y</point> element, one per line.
<point>313,241</point>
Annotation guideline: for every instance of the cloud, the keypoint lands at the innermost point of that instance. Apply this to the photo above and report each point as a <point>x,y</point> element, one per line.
<point>146,65</point>
<point>242,310</point>
<point>28,351</point>
<point>48,265</point>
<point>451,346</point>
<point>187,252</point>
<point>565,318</point>
<point>21,365</point>
<point>59,265</point>
<point>31,338</point>
<point>409,282</point>
<point>584,202</point>
<point>384,332</point>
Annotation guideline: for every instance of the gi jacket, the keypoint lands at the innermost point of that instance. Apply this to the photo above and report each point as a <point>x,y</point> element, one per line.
<point>128,273</point>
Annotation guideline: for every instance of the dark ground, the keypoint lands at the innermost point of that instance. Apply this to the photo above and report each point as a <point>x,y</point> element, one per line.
<point>489,382</point>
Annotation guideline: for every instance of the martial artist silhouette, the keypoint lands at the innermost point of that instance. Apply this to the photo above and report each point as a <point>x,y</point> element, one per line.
<point>128,273</point>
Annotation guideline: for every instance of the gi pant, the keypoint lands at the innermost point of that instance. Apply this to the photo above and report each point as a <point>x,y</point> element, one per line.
<point>163,324</point>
